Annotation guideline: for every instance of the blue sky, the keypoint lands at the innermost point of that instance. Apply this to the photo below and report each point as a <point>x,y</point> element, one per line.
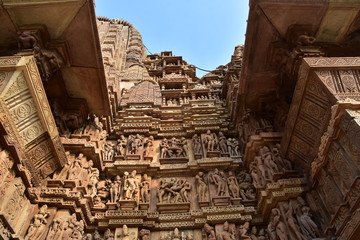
<point>204,32</point>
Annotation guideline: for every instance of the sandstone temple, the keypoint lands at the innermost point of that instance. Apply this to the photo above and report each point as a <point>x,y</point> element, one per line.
<point>100,140</point>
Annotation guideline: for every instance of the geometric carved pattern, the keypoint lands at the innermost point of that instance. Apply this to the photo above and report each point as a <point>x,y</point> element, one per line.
<point>26,115</point>
<point>321,83</point>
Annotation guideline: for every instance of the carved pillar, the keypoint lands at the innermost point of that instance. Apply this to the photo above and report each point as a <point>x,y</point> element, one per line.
<point>321,82</point>
<point>26,116</point>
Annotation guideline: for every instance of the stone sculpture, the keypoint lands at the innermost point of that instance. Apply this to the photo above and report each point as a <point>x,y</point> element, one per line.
<point>219,180</point>
<point>202,188</point>
<point>233,185</point>
<point>280,227</point>
<point>109,151</point>
<point>38,226</point>
<point>228,233</point>
<point>145,189</point>
<point>115,190</point>
<point>144,234</point>
<point>244,231</point>
<point>196,144</point>
<point>131,186</point>
<point>208,232</point>
<point>121,146</point>
<point>76,168</point>
<point>173,191</point>
<point>210,141</point>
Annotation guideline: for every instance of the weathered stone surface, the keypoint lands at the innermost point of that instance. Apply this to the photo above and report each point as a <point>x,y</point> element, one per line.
<point>153,152</point>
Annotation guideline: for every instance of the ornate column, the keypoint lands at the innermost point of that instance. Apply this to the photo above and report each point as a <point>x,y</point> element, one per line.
<point>26,117</point>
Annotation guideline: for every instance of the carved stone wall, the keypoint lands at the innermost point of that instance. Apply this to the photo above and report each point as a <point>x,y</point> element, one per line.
<point>320,84</point>
<point>178,157</point>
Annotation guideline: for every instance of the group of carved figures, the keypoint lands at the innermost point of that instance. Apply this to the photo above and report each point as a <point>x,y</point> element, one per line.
<point>174,148</point>
<point>177,235</point>
<point>68,227</point>
<point>229,231</point>
<point>292,220</point>
<point>133,145</point>
<point>59,229</point>
<point>266,164</point>
<point>237,187</point>
<point>93,127</point>
<point>128,188</point>
<point>137,188</point>
<point>80,169</point>
<point>251,124</point>
<point>216,143</point>
<point>174,190</point>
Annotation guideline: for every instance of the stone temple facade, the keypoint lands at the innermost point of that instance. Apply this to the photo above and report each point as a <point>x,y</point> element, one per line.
<point>101,141</point>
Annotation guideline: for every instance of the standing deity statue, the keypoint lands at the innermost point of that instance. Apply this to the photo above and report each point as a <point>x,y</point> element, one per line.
<point>136,144</point>
<point>93,181</point>
<point>223,143</point>
<point>121,146</point>
<point>149,144</point>
<point>56,229</point>
<point>280,227</point>
<point>282,163</point>
<point>145,189</point>
<point>131,186</point>
<point>292,223</point>
<point>202,189</point>
<point>233,185</point>
<point>196,144</point>
<point>115,190</point>
<point>270,166</point>
<point>97,235</point>
<point>176,235</point>
<point>218,179</point>
<point>253,234</point>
